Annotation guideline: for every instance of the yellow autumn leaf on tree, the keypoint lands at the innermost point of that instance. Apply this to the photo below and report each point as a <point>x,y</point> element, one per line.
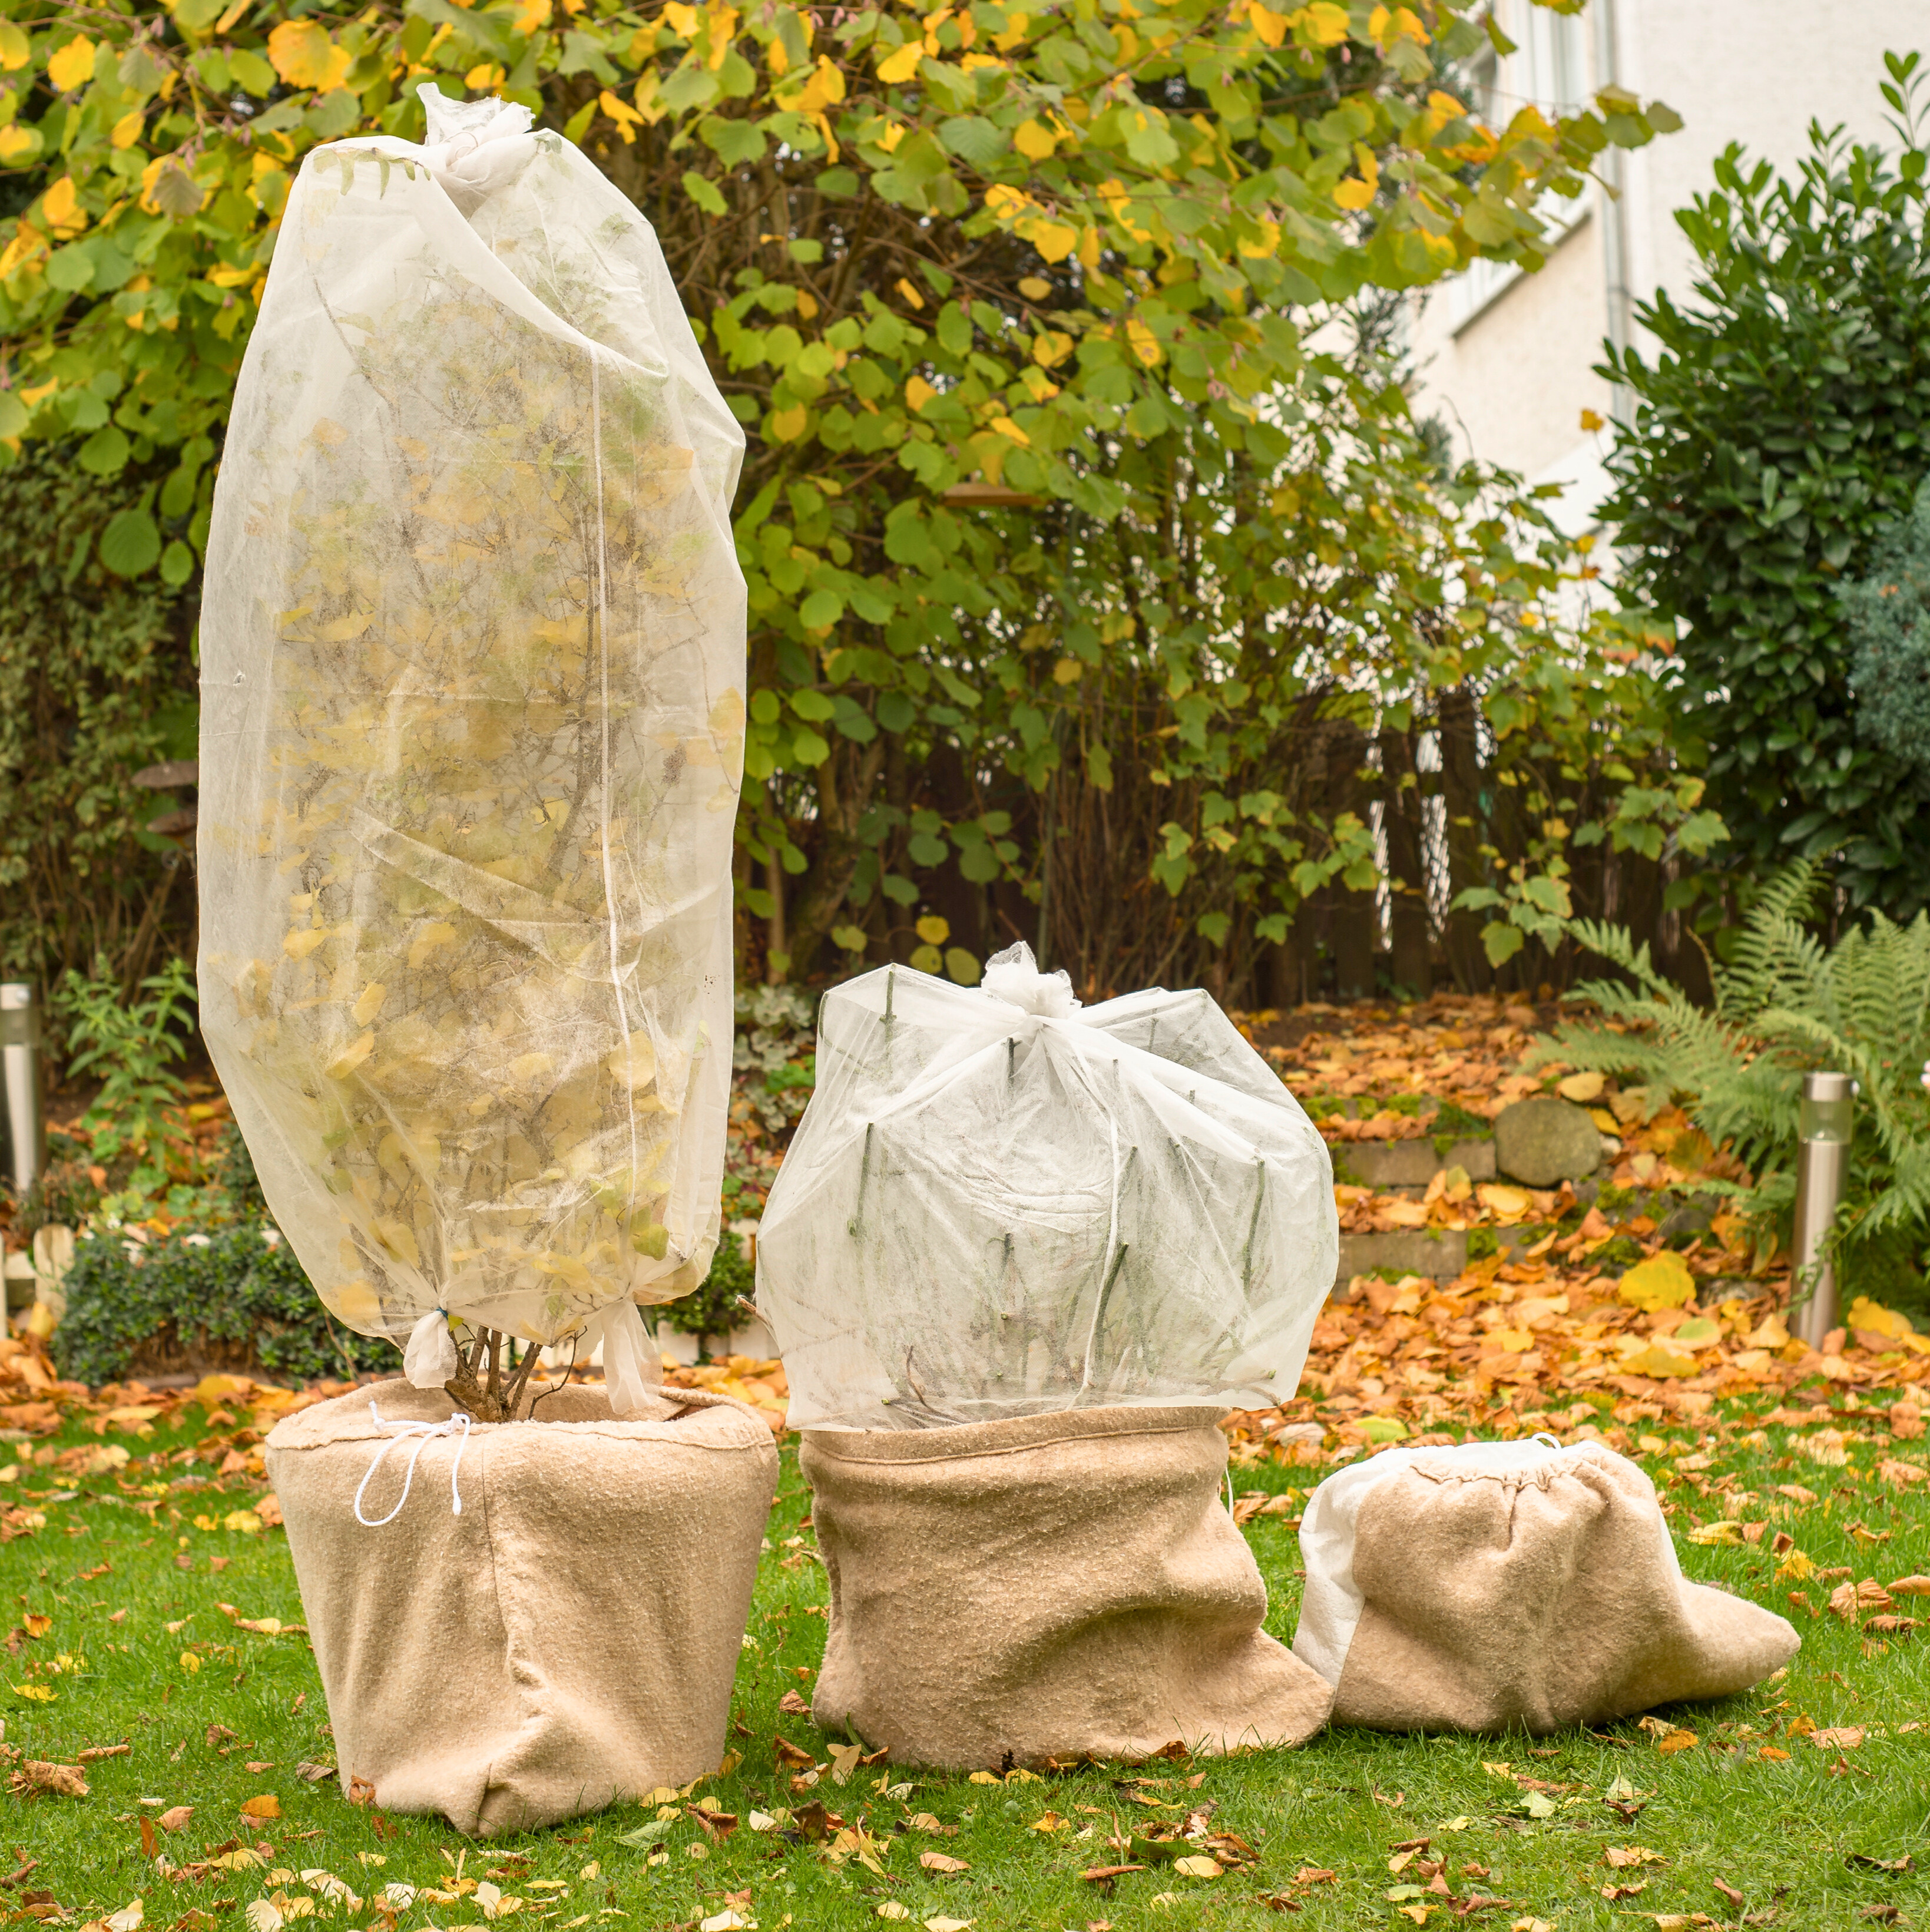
<point>918,393</point>
<point>897,68</point>
<point>1357,191</point>
<point>933,930</point>
<point>1271,27</point>
<point>1006,427</point>
<point>532,14</point>
<point>1322,25</point>
<point>16,50</point>
<point>1034,140</point>
<point>304,56</point>
<point>786,425</point>
<point>127,130</point>
<point>1143,342</point>
<point>60,208</point>
<point>72,66</point>
<point>15,141</point>
<point>1054,240</point>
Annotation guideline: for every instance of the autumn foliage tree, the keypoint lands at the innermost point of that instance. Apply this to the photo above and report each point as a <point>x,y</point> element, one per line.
<point>1091,591</point>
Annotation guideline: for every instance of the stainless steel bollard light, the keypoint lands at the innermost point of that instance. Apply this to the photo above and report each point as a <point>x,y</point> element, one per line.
<point>26,1144</point>
<point>1822,1164</point>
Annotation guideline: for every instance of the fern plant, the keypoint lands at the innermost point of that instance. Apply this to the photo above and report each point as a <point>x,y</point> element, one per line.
<point>1788,1004</point>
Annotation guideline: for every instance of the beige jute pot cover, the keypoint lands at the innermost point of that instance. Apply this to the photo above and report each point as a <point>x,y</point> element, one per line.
<point>1045,1586</point>
<point>570,1639</point>
<point>1505,1584</point>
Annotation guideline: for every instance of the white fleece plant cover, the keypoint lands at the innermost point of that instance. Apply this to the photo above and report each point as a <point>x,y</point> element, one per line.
<point>1331,1603</point>
<point>473,712</point>
<point>999,1204</point>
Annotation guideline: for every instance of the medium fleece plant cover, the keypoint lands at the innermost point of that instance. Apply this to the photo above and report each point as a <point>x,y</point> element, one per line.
<point>472,713</point>
<point>998,1204</point>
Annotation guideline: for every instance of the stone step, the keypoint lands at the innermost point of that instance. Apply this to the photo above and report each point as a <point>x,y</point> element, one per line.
<point>1441,1254</point>
<point>1389,1164</point>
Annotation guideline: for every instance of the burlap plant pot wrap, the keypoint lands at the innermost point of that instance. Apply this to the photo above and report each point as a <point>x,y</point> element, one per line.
<point>1512,1584</point>
<point>570,1639</point>
<point>1047,1586</point>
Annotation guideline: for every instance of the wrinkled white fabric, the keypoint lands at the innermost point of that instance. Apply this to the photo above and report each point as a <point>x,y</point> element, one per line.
<point>1331,1602</point>
<point>473,715</point>
<point>1000,1204</point>
<point>631,1368</point>
<point>430,1360</point>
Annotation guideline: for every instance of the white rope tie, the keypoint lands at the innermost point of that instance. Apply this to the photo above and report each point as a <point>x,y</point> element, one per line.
<point>457,1426</point>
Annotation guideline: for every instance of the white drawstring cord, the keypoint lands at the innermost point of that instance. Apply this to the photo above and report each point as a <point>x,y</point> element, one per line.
<point>457,1426</point>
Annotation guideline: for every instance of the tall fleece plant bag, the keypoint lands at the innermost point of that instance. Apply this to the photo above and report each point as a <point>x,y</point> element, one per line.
<point>1021,1258</point>
<point>568,1637</point>
<point>1512,1584</point>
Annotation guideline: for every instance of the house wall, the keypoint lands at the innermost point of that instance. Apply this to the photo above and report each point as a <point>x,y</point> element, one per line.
<point>1512,379</point>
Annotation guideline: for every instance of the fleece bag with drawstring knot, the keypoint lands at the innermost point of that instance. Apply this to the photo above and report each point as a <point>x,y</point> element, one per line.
<point>1506,1585</point>
<point>566,1639</point>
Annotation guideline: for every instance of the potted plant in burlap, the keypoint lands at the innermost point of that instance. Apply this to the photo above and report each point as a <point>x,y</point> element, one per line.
<point>472,651</point>
<point>1021,1260</point>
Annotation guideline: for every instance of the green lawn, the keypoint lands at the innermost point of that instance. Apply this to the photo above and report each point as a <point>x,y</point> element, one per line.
<point>1805,1840</point>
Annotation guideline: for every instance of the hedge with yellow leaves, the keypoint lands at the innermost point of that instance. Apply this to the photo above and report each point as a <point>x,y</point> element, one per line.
<point>1073,253</point>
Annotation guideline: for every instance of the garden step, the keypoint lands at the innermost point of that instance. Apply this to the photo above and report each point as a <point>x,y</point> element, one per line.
<point>1440,1253</point>
<point>1411,1163</point>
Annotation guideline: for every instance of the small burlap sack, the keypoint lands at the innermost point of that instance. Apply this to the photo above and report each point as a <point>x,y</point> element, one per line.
<point>570,1639</point>
<point>1507,1584</point>
<point>1045,1586</point>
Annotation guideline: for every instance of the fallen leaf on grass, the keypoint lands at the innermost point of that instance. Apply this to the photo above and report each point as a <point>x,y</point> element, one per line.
<point>96,1751</point>
<point>892,1909</point>
<point>943,1862</point>
<point>1845,1737</point>
<point>793,1705</point>
<point>1863,1860</point>
<point>1314,1875</point>
<point>267,1805</point>
<point>1850,1601</point>
<point>1615,1893</point>
<point>63,1780</point>
<point>1622,1856</point>
<point>788,1753</point>
<point>1774,1756</point>
<point>1883,1915</point>
<point>949,1924</point>
<point>1197,1867</point>
<point>1676,1741</point>
<point>1910,1586</point>
<point>1729,1892</point>
<point>1102,1874</point>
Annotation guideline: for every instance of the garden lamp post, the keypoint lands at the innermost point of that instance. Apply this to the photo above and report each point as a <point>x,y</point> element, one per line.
<point>20,1086</point>
<point>1822,1160</point>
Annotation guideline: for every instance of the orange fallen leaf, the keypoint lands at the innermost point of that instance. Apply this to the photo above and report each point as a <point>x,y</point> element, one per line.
<point>1843,1737</point>
<point>943,1862</point>
<point>267,1805</point>
<point>176,1818</point>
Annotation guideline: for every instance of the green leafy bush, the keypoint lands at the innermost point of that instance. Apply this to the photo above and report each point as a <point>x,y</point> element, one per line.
<point>710,1313</point>
<point>1788,1004</point>
<point>1884,614</point>
<point>224,1298</point>
<point>1779,429</point>
<point>96,682</point>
